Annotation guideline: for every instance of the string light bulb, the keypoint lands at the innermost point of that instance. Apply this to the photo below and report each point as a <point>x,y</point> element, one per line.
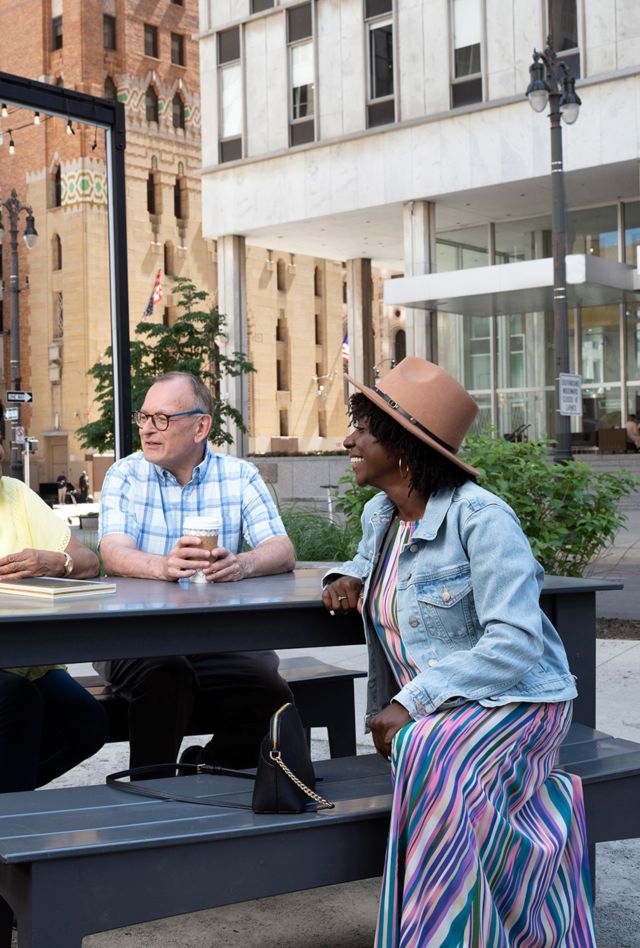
<point>5,110</point>
<point>70,129</point>
<point>12,144</point>
<point>36,118</point>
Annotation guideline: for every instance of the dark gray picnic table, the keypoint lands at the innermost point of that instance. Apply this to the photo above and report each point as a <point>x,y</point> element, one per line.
<point>148,618</point>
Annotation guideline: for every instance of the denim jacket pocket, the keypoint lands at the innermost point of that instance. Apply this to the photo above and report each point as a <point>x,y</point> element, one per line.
<point>445,600</point>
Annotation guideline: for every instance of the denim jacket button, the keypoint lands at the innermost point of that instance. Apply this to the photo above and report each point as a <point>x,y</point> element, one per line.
<point>413,548</point>
<point>432,663</point>
<point>446,595</point>
<point>413,622</point>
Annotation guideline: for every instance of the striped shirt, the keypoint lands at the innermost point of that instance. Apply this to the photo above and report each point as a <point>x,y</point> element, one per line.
<point>383,602</point>
<point>146,502</point>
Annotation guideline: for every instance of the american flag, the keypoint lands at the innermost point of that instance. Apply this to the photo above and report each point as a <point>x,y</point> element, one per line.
<point>345,354</point>
<point>156,296</point>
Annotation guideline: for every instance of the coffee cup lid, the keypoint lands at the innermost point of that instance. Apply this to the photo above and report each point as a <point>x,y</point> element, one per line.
<point>201,523</point>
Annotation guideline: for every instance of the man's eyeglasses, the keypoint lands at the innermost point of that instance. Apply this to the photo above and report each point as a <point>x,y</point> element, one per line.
<point>160,420</point>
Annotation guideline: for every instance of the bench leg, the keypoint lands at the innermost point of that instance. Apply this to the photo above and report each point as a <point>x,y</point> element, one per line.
<point>331,705</point>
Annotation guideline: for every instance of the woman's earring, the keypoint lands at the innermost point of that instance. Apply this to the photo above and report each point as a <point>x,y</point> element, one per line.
<point>403,474</point>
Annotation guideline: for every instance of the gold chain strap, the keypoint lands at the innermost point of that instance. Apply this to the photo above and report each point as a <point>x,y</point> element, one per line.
<point>277,758</point>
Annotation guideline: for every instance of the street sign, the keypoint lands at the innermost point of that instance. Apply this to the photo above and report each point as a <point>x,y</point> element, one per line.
<point>20,396</point>
<point>20,435</point>
<point>569,393</point>
<point>11,414</point>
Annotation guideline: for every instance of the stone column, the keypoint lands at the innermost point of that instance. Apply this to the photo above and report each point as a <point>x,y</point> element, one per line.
<point>419,223</point>
<point>359,320</point>
<point>232,302</point>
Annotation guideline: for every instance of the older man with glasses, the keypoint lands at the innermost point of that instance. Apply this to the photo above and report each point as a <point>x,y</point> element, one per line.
<point>143,503</point>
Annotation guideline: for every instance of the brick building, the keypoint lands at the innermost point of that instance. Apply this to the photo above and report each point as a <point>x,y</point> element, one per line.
<point>142,53</point>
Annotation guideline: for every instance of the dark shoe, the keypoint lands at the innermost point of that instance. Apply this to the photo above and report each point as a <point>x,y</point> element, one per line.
<point>191,755</point>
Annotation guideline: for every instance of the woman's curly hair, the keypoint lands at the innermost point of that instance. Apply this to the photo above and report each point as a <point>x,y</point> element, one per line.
<point>428,469</point>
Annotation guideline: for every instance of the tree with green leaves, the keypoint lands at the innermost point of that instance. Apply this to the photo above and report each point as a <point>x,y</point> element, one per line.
<point>192,344</point>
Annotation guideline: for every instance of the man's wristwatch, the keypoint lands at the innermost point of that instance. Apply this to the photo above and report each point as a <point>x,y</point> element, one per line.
<point>68,564</point>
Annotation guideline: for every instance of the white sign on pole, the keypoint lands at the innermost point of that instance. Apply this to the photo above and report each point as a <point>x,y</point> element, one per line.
<point>11,414</point>
<point>20,435</point>
<point>569,394</point>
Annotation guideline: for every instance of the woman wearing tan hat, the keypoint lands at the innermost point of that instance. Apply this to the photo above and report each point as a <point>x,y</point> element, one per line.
<point>469,690</point>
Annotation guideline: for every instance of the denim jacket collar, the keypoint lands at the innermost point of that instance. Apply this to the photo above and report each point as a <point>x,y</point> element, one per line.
<point>434,514</point>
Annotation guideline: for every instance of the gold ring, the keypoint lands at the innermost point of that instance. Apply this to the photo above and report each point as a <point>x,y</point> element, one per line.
<point>340,598</point>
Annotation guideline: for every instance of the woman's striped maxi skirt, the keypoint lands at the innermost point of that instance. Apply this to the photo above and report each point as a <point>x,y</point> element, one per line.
<point>487,844</point>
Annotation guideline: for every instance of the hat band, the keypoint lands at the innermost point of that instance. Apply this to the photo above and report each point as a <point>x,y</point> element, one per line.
<point>414,421</point>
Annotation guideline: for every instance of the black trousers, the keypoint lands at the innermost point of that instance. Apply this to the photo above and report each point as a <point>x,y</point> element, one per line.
<point>238,692</point>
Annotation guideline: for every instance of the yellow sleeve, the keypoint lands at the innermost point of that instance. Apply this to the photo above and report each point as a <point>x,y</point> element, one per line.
<point>47,530</point>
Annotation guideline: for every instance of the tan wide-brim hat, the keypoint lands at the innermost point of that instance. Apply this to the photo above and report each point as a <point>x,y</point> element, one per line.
<point>428,402</point>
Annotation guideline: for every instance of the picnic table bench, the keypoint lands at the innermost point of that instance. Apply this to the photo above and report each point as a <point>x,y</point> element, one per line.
<point>88,859</point>
<point>323,693</point>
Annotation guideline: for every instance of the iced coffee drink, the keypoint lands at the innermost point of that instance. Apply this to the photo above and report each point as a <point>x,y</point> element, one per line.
<point>207,529</point>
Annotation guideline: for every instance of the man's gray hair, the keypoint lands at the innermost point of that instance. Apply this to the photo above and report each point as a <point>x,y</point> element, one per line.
<point>203,398</point>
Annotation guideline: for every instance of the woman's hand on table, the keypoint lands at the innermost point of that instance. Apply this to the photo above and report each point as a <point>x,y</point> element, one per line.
<point>27,563</point>
<point>385,726</point>
<point>343,595</point>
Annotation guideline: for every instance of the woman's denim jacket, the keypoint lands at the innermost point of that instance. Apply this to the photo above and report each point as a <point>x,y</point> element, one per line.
<point>468,593</point>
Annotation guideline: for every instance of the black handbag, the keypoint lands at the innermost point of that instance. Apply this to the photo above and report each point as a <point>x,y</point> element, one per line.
<point>284,779</point>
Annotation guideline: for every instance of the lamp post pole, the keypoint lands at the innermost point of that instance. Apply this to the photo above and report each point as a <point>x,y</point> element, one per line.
<point>552,83</point>
<point>14,207</point>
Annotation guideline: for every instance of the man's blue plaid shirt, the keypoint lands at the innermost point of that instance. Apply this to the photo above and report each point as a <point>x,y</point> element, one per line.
<point>147,503</point>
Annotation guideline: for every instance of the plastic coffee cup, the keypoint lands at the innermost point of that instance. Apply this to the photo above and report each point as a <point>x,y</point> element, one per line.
<point>207,529</point>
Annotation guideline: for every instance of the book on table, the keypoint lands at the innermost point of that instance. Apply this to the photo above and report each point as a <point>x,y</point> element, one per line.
<point>51,587</point>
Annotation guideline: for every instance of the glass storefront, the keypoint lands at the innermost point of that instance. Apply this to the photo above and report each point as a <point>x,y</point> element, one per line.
<point>523,240</point>
<point>513,355</point>
<point>462,249</point>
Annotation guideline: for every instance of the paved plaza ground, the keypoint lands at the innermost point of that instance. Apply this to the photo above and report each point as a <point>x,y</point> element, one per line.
<point>344,916</point>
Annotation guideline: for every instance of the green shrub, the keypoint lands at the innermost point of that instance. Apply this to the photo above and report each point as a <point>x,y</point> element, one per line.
<point>569,512</point>
<point>315,537</point>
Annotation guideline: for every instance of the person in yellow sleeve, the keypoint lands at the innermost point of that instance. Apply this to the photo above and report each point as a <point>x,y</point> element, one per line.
<point>48,722</point>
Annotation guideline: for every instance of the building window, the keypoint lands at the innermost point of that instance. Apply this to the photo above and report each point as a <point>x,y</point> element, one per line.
<point>317,282</point>
<point>177,111</point>
<point>230,92</point>
<point>180,199</point>
<point>108,31</point>
<point>177,49</point>
<point>151,105</point>
<point>399,346</point>
<point>58,316</point>
<point>177,3</point>
<point>152,203</point>
<point>57,187</point>
<point>281,278</point>
<point>56,253</point>
<point>301,74</point>
<point>284,423</point>
<point>169,259</point>
<point>318,329</point>
<point>322,423</point>
<point>380,86</point>
<point>257,6</point>
<point>151,40</point>
<point>563,29</point>
<point>56,32</point>
<point>110,90</point>
<point>466,85</point>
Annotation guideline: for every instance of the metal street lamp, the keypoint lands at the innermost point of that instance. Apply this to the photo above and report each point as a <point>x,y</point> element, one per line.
<point>552,83</point>
<point>14,207</point>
